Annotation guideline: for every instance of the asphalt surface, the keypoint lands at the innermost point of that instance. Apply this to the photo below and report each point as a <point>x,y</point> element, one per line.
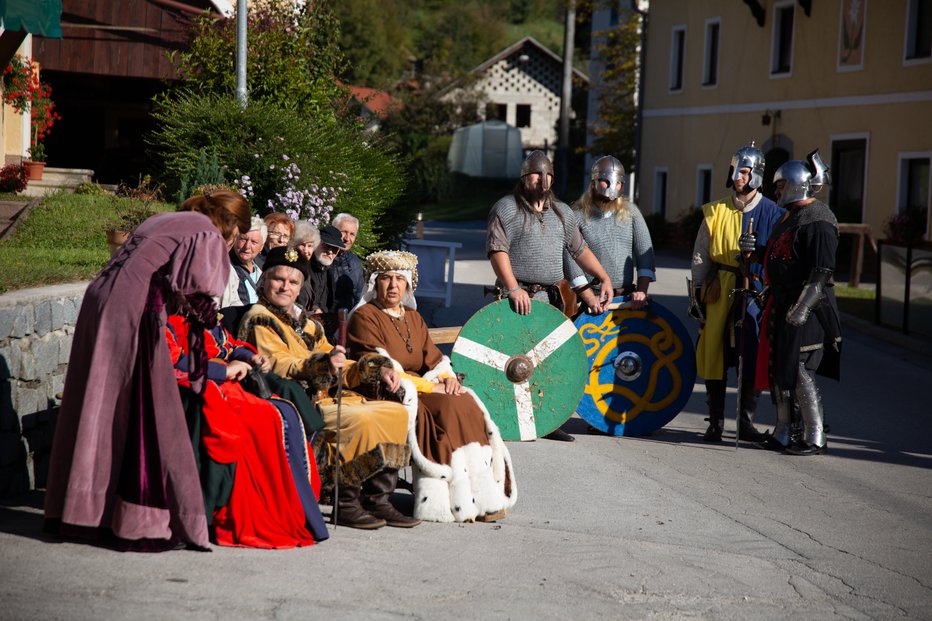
<point>664,527</point>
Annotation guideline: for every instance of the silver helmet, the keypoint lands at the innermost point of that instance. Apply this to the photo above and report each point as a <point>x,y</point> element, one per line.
<point>536,162</point>
<point>802,178</point>
<point>747,157</point>
<point>609,169</point>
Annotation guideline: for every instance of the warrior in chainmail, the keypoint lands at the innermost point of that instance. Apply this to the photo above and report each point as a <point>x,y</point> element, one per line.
<point>802,331</point>
<point>527,234</point>
<point>616,232</point>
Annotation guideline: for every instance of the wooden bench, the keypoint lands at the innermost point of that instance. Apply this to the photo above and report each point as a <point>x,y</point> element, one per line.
<point>444,336</point>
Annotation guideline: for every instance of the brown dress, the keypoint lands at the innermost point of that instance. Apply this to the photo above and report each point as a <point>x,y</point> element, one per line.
<point>451,431</point>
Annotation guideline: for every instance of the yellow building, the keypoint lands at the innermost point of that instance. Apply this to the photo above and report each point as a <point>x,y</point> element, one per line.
<point>852,78</point>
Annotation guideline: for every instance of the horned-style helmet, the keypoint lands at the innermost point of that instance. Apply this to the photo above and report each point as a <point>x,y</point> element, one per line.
<point>536,162</point>
<point>747,157</point>
<point>802,178</point>
<point>610,170</point>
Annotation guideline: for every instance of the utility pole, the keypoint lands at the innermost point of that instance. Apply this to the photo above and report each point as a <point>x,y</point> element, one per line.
<point>566,100</point>
<point>241,52</point>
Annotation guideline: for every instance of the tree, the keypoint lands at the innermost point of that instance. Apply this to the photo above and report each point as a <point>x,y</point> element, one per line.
<point>375,40</point>
<point>293,58</point>
<point>614,129</point>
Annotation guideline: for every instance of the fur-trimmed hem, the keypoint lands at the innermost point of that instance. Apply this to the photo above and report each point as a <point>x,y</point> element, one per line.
<point>444,367</point>
<point>317,372</point>
<point>356,472</point>
<point>480,479</point>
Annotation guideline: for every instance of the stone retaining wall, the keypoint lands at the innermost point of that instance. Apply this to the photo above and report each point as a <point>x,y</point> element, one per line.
<point>36,330</point>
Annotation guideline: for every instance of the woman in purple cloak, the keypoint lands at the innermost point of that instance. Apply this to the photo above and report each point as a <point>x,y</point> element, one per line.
<point>122,465</point>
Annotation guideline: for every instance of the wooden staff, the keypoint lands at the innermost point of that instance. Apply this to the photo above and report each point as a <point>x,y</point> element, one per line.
<point>341,341</point>
<point>739,324</point>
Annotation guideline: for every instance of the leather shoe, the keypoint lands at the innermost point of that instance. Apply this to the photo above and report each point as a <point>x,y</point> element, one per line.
<point>714,432</point>
<point>804,449</point>
<point>750,433</point>
<point>376,493</point>
<point>560,436</point>
<point>769,443</point>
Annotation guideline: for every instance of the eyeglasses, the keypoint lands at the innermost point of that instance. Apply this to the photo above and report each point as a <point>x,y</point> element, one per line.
<point>280,236</point>
<point>330,249</point>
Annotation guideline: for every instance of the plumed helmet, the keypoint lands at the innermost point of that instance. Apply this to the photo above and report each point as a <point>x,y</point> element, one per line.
<point>747,157</point>
<point>536,162</point>
<point>802,178</point>
<point>607,168</point>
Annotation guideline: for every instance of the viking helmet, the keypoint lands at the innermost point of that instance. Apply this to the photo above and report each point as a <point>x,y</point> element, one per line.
<point>536,162</point>
<point>747,157</point>
<point>609,169</point>
<point>802,178</point>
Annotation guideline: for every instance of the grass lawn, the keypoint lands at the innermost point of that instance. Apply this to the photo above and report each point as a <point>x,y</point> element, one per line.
<point>61,240</point>
<point>857,302</point>
<point>472,201</point>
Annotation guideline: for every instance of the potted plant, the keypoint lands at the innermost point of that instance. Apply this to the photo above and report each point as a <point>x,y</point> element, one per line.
<point>130,214</point>
<point>35,165</point>
<point>23,89</point>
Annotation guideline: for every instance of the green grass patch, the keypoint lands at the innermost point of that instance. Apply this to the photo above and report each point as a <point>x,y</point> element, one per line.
<point>857,302</point>
<point>472,199</point>
<point>61,240</point>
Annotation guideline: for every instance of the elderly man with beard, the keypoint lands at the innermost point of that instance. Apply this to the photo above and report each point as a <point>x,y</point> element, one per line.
<point>717,269</point>
<point>527,233</point>
<point>330,246</point>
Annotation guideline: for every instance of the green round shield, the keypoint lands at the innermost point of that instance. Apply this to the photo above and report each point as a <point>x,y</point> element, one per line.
<point>529,370</point>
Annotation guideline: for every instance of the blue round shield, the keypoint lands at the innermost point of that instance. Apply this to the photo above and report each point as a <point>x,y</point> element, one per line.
<point>642,368</point>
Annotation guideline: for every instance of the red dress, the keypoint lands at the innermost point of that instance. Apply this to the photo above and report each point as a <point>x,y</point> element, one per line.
<point>265,509</point>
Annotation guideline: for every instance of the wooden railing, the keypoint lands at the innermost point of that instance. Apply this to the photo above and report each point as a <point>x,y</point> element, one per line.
<point>857,251</point>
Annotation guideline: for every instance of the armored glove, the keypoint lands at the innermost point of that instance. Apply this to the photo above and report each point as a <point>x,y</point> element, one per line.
<point>747,242</point>
<point>696,309</point>
<point>809,298</point>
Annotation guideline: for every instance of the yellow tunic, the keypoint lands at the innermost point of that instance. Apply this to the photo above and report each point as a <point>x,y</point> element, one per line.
<point>724,221</point>
<point>373,434</point>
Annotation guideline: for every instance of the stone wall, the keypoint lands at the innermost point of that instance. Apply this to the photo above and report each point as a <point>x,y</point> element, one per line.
<point>36,330</point>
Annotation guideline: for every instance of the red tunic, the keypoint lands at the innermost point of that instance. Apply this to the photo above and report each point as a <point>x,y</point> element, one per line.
<point>264,510</point>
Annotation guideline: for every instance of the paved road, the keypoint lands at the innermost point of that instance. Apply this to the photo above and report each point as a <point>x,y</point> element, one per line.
<point>662,527</point>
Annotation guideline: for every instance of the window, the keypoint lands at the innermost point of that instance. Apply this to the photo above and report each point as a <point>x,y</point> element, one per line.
<point>919,30</point>
<point>660,191</point>
<point>523,115</point>
<point>677,57</point>
<point>710,63</point>
<point>496,112</point>
<point>703,184</point>
<point>914,182</point>
<point>781,61</point>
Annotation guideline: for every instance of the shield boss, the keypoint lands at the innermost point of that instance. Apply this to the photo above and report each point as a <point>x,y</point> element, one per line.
<point>527,369</point>
<point>642,368</point>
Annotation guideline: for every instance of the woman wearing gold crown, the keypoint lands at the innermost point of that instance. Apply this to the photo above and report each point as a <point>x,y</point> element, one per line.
<point>462,468</point>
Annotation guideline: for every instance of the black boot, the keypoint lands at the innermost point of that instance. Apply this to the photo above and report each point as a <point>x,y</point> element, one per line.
<point>375,499</point>
<point>350,512</point>
<point>560,436</point>
<point>715,391</point>
<point>746,429</point>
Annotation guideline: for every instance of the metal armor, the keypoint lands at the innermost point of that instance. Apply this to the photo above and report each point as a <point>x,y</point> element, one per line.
<point>802,179</point>
<point>809,298</point>
<point>536,162</point>
<point>610,170</point>
<point>747,157</point>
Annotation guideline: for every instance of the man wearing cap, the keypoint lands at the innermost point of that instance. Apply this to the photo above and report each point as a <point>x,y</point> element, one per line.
<point>527,233</point>
<point>373,433</point>
<point>330,246</point>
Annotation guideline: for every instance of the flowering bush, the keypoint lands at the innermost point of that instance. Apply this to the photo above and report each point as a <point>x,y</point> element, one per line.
<point>13,178</point>
<point>313,202</point>
<point>907,227</point>
<point>24,90</point>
